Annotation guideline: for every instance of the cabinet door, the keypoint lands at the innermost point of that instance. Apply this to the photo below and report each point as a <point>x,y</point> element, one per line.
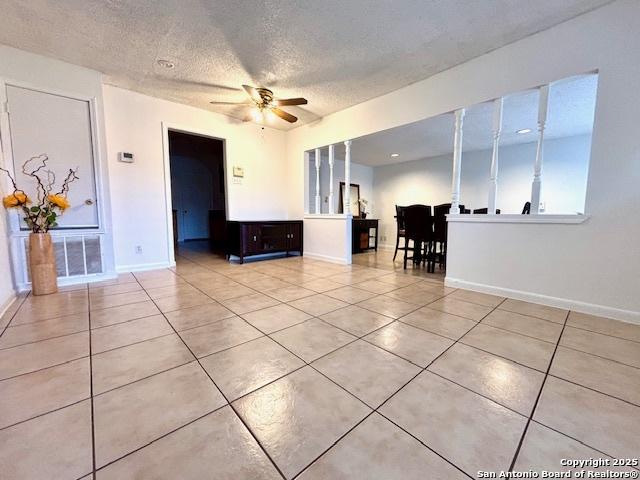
<point>274,237</point>
<point>251,239</point>
<point>295,236</point>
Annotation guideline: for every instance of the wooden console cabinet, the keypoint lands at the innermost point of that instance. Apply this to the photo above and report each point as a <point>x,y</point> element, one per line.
<point>361,234</point>
<point>245,239</point>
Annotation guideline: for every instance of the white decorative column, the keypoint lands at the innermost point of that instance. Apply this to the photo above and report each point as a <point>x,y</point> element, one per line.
<point>318,163</point>
<point>347,177</point>
<point>332,208</point>
<point>536,186</point>
<point>493,181</point>
<point>457,162</point>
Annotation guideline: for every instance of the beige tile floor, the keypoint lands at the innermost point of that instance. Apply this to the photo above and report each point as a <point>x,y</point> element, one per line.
<point>295,368</point>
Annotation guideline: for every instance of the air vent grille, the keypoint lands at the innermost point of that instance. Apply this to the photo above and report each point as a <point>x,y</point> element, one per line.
<point>76,255</point>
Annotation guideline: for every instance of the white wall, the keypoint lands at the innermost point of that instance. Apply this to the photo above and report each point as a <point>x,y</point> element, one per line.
<point>360,175</point>
<point>328,238</point>
<point>428,181</point>
<point>594,263</point>
<point>134,124</point>
<point>48,75</point>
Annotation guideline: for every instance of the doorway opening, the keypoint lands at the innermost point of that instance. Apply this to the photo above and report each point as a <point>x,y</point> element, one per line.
<point>198,192</point>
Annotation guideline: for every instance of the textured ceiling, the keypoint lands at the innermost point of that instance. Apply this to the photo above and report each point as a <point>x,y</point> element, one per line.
<point>334,53</point>
<point>571,110</point>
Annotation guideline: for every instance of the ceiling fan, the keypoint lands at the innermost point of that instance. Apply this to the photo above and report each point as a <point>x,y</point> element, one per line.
<point>264,103</point>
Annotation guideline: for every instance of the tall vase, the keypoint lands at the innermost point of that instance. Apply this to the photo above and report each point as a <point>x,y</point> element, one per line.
<point>42,264</point>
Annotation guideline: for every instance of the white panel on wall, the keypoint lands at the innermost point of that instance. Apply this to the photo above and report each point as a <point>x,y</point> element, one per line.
<point>60,127</point>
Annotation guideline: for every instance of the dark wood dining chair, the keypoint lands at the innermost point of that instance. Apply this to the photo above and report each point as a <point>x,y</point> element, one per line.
<point>428,242</point>
<point>400,229</point>
<point>526,210</point>
<point>416,219</point>
<point>440,232</point>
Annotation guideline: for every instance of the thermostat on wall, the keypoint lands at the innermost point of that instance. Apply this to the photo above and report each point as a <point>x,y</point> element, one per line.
<point>125,157</point>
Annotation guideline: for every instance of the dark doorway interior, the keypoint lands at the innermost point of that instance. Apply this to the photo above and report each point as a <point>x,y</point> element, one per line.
<point>197,188</point>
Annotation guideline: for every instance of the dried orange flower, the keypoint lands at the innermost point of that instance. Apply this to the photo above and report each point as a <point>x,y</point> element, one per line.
<point>59,201</point>
<point>16,199</point>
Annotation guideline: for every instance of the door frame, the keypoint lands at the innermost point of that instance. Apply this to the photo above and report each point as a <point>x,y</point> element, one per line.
<point>173,127</point>
<point>17,235</point>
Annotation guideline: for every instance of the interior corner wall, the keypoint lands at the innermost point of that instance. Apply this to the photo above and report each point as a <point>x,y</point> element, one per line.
<point>590,266</point>
<point>134,124</point>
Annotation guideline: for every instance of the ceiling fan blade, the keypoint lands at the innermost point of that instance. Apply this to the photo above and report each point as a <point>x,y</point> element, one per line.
<point>253,93</point>
<point>231,103</point>
<point>284,115</point>
<point>291,101</point>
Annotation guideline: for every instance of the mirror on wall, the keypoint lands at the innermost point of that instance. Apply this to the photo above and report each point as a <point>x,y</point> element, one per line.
<point>354,199</point>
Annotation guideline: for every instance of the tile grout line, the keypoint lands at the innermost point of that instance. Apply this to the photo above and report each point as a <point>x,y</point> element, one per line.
<point>594,390</point>
<point>221,392</point>
<point>339,386</point>
<point>142,378</point>
<point>93,427</point>
<point>13,315</point>
<point>33,342</point>
<point>535,405</point>
<point>502,357</point>
<point>519,333</point>
<point>46,413</point>
<point>45,368</point>
<point>578,441</point>
<point>605,334</point>
<point>142,447</point>
<point>511,409</point>
<point>376,410</point>
<point>307,364</point>
<point>138,342</point>
<point>332,351</point>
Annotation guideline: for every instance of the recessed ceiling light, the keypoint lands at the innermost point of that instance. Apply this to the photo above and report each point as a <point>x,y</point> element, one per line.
<point>395,154</point>
<point>166,64</point>
<point>523,131</point>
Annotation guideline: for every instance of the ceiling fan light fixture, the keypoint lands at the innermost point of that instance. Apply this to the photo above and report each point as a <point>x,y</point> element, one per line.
<point>522,131</point>
<point>394,155</point>
<point>269,115</point>
<point>256,114</point>
<point>265,105</point>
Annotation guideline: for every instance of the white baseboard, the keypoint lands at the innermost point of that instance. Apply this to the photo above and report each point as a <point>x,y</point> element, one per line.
<point>574,305</point>
<point>62,282</point>
<point>6,305</point>
<point>75,280</point>
<point>326,258</point>
<point>141,267</point>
